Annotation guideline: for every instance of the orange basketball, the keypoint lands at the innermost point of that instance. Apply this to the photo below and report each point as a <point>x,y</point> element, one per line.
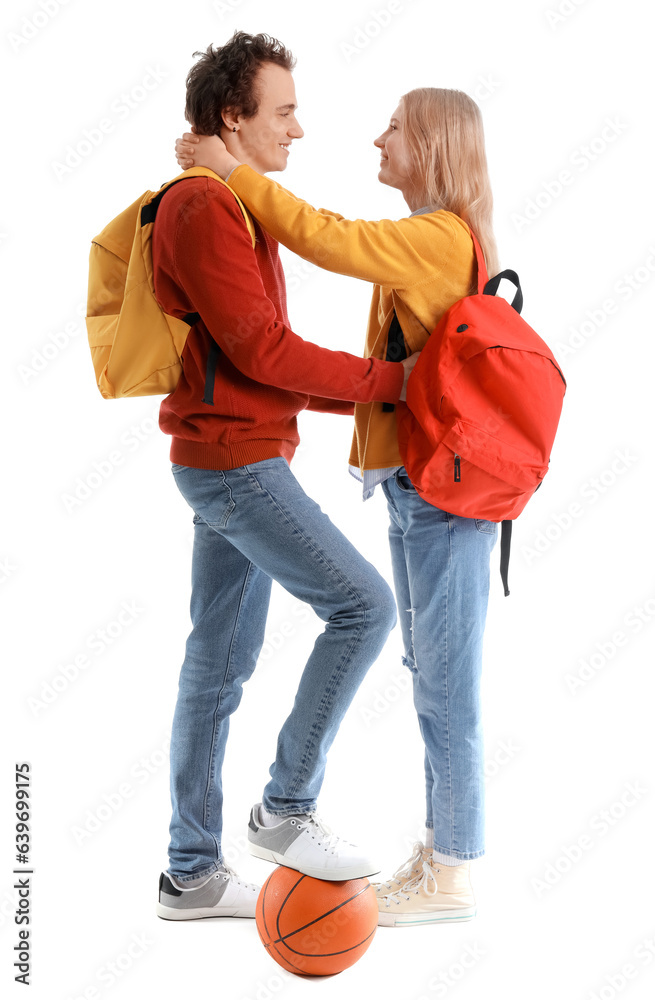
<point>314,927</point>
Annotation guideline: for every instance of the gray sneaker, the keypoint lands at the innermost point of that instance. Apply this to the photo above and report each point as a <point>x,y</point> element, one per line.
<point>308,846</point>
<point>221,894</point>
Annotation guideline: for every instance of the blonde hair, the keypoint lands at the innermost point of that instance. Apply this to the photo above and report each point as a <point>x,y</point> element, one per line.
<point>444,133</point>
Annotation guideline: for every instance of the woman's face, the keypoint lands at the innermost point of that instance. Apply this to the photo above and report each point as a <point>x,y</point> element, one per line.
<point>396,167</point>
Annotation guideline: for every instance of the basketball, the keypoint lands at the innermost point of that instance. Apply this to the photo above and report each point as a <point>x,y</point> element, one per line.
<point>315,927</point>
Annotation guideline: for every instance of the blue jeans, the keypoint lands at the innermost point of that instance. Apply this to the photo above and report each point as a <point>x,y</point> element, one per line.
<point>252,525</point>
<point>441,573</point>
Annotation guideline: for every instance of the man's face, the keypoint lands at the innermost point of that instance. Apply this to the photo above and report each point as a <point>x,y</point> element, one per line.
<point>396,167</point>
<point>264,141</point>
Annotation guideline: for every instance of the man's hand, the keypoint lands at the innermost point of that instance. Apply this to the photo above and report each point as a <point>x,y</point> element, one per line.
<point>204,151</point>
<point>408,365</point>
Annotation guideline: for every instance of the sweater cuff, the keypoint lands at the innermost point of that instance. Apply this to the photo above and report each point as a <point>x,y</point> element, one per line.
<point>390,382</point>
<point>232,171</point>
<point>239,169</point>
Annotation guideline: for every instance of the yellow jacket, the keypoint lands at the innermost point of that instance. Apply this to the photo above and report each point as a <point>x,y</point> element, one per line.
<point>419,266</point>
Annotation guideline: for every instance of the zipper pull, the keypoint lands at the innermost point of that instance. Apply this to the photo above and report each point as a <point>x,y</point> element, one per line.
<point>458,469</point>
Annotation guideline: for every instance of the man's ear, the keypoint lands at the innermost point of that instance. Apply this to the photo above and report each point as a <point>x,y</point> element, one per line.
<point>230,118</point>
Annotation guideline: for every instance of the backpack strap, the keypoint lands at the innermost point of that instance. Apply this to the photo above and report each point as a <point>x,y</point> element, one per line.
<point>149,213</point>
<point>483,277</point>
<point>505,543</point>
<point>491,287</point>
<point>396,351</point>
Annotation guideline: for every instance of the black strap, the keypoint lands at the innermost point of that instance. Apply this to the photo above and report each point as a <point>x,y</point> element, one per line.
<point>212,358</point>
<point>492,287</point>
<point>505,542</point>
<point>396,351</point>
<point>149,211</point>
<point>149,214</point>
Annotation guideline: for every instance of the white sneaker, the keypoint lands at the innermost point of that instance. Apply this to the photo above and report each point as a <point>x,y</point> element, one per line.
<point>307,845</point>
<point>221,894</point>
<point>412,867</point>
<point>437,894</point>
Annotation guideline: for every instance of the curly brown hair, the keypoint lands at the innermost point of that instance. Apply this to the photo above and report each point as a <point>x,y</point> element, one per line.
<point>224,78</point>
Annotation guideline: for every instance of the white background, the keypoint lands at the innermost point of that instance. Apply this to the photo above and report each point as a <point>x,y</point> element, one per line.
<point>552,920</point>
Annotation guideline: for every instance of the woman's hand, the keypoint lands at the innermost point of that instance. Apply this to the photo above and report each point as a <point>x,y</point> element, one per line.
<point>408,365</point>
<point>204,151</point>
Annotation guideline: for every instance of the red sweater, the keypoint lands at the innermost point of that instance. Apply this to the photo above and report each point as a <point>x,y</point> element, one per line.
<point>238,405</point>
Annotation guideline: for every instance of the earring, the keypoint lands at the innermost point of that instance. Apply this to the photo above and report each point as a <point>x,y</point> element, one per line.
<point>234,129</point>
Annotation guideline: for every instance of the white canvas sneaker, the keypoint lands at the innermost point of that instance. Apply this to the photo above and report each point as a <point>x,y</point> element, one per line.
<point>307,845</point>
<point>407,871</point>
<point>221,894</point>
<point>436,894</point>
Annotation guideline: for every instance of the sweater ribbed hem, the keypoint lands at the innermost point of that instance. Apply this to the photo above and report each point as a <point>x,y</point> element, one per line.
<point>208,455</point>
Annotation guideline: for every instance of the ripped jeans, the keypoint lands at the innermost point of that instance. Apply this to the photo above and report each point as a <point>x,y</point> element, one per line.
<point>441,573</point>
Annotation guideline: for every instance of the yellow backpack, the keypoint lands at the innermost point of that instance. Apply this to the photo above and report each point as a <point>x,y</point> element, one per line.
<point>135,346</point>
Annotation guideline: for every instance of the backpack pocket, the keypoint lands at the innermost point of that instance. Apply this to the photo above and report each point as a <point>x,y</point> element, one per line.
<point>494,457</point>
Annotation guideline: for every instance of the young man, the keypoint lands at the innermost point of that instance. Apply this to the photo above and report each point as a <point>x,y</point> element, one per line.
<point>232,419</point>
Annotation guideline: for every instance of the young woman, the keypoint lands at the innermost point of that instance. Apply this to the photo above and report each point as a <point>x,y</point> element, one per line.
<point>433,152</point>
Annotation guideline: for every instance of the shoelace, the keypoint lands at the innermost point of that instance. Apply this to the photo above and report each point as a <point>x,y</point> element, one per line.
<point>325,834</point>
<point>226,870</point>
<point>425,881</point>
<point>401,875</point>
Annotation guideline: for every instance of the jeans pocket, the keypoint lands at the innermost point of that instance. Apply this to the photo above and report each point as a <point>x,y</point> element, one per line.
<point>178,468</point>
<point>403,482</point>
<point>489,527</point>
<point>207,492</point>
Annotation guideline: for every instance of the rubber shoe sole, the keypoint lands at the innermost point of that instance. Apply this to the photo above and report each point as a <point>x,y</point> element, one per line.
<point>170,913</point>
<point>328,874</point>
<point>390,919</point>
<point>223,894</point>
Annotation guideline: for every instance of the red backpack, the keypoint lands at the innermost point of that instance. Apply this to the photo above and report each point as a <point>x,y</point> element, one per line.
<point>483,405</point>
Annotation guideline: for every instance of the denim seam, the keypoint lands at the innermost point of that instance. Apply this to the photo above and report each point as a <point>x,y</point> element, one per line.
<point>229,509</point>
<point>322,555</point>
<point>460,855</point>
<point>310,746</point>
<point>309,750</point>
<point>295,811</point>
<point>450,775</point>
<point>395,507</point>
<point>398,519</point>
<point>211,774</point>
<point>197,876</point>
